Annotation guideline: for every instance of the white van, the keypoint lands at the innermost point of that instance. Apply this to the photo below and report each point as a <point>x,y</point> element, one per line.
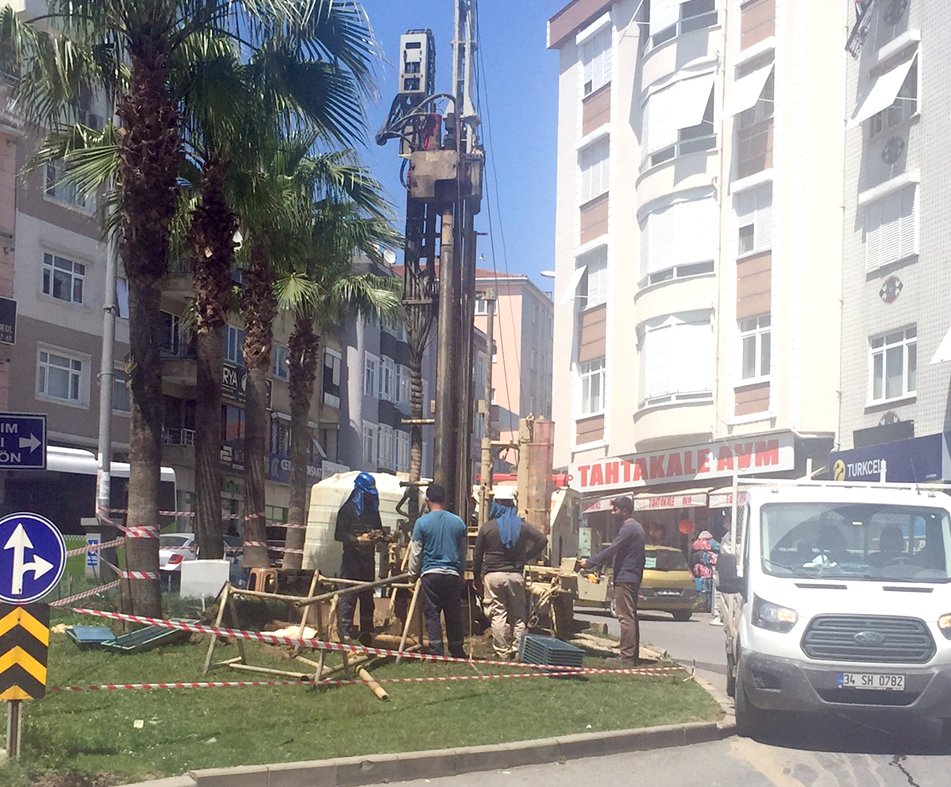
<point>838,599</point>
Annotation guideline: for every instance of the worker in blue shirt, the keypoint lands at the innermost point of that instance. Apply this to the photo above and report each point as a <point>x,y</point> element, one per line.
<point>437,555</point>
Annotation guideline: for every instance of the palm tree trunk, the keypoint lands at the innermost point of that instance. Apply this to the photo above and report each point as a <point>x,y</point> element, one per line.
<point>304,348</point>
<point>211,238</point>
<point>260,308</point>
<point>150,153</point>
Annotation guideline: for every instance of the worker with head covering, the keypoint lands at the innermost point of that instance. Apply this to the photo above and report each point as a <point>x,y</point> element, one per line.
<point>358,529</point>
<point>504,545</point>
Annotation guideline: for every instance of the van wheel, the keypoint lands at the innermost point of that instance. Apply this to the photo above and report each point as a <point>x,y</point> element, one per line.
<point>730,676</point>
<point>750,720</point>
<point>682,614</point>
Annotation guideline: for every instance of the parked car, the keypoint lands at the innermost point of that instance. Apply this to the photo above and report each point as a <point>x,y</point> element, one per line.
<point>667,586</point>
<point>175,549</point>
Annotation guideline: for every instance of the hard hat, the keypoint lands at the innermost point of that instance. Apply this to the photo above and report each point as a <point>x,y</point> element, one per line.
<point>505,493</point>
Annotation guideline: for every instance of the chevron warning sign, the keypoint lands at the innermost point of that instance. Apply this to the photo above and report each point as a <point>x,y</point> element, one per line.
<point>24,643</point>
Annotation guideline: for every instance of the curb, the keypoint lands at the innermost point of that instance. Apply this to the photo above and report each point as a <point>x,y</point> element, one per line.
<point>409,766</point>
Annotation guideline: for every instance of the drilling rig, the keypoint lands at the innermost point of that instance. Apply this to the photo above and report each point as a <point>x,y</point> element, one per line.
<point>442,171</point>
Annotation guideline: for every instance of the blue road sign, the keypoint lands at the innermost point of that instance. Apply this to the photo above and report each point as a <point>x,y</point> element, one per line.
<point>22,441</point>
<point>32,557</point>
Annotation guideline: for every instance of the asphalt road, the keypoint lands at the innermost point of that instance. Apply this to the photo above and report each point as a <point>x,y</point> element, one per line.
<point>801,751</point>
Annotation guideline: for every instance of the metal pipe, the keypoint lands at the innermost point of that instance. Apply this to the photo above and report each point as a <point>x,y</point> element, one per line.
<point>446,358</point>
<point>348,590</point>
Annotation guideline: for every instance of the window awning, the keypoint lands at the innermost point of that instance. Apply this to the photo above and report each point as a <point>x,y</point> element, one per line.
<point>748,89</point>
<point>571,290</point>
<point>881,92</point>
<point>685,498</point>
<point>664,13</point>
<point>678,106</point>
<point>943,353</point>
<point>604,504</point>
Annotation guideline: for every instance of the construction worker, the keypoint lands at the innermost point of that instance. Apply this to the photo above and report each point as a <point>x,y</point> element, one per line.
<point>358,529</point>
<point>437,554</point>
<point>504,545</point>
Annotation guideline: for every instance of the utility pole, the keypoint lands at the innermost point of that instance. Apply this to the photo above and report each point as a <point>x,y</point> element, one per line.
<point>444,185</point>
<point>485,471</point>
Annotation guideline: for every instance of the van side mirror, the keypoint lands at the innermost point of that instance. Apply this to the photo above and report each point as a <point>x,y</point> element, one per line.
<point>727,580</point>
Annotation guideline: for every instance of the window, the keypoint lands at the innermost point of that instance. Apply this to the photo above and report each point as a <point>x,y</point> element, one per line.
<point>676,358</point>
<point>679,240</point>
<point>63,279</point>
<point>894,359</point>
<point>760,111</point>
<point>402,384</point>
<point>595,162</point>
<point>280,436</point>
<point>481,306</point>
<point>172,341</point>
<point>891,228</point>
<point>232,424</point>
<point>122,298</point>
<point>596,57</point>
<point>61,376</point>
<point>755,339</point>
<point>234,345</point>
<point>387,379</point>
<point>371,365</point>
<point>754,210</point>
<point>386,446</point>
<point>402,451</point>
<point>754,134</point>
<point>282,358</point>
<point>692,139</point>
<point>694,15</point>
<point>394,326</point>
<point>370,433</point>
<point>331,380</point>
<point>592,387</point>
<point>63,192</point>
<point>121,398</point>
<point>593,287</point>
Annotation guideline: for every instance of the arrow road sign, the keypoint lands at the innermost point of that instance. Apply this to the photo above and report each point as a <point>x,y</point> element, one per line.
<point>32,557</point>
<point>22,441</point>
<point>24,645</point>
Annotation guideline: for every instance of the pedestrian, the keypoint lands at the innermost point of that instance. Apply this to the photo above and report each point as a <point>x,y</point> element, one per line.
<point>358,529</point>
<point>504,545</point>
<point>437,554</point>
<point>626,554</point>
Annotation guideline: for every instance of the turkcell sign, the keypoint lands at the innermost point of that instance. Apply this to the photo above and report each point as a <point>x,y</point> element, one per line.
<point>920,459</point>
<point>22,441</point>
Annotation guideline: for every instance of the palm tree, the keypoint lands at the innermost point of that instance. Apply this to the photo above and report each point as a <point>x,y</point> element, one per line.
<point>323,293</point>
<point>97,43</point>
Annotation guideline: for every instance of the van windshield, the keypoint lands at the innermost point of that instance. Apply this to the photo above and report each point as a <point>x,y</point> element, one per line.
<point>856,542</point>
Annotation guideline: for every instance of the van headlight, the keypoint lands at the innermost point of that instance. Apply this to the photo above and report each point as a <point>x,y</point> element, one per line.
<point>767,615</point>
<point>944,623</point>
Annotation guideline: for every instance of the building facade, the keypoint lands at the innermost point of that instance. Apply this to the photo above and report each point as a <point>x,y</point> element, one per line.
<point>697,263</point>
<point>522,353</point>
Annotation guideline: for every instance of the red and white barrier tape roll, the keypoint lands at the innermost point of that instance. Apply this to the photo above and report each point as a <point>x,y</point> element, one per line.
<point>316,644</point>
<point>85,594</point>
<point>94,547</point>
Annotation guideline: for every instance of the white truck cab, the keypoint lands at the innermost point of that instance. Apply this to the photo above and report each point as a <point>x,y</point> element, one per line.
<point>837,598</point>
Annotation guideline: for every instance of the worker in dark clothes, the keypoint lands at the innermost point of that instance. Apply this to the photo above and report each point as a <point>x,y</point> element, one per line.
<point>358,529</point>
<point>504,545</point>
<point>626,554</point>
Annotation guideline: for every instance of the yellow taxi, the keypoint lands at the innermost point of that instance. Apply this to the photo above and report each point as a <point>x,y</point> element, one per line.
<point>668,585</point>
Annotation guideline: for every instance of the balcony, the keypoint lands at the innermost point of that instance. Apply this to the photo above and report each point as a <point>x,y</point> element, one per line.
<point>684,417</point>
<point>178,447</point>
<point>178,364</point>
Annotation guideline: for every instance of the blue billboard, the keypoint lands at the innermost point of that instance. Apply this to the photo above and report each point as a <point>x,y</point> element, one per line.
<point>919,460</point>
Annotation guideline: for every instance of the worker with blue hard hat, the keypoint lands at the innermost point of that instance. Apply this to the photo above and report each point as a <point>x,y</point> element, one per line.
<point>358,529</point>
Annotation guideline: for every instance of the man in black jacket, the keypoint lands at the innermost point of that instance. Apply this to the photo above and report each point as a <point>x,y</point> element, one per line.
<point>504,545</point>
<point>358,529</point>
<point>626,554</point>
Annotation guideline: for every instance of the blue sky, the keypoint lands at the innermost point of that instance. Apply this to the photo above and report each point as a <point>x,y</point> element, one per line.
<point>519,111</point>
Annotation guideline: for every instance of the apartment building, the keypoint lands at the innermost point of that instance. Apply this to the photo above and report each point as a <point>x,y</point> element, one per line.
<point>698,237</point>
<point>895,397</point>
<point>521,355</point>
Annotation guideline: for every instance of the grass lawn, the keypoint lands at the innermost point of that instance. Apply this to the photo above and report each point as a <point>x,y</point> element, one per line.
<point>122,736</point>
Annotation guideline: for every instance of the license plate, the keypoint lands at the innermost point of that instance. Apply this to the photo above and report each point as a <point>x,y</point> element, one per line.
<point>667,592</point>
<point>871,680</point>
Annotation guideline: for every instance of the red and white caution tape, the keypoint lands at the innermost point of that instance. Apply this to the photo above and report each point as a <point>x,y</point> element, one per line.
<point>261,544</point>
<point>138,574</point>
<point>198,684</point>
<point>249,517</point>
<point>85,594</point>
<point>316,644</point>
<point>140,531</point>
<point>94,547</point>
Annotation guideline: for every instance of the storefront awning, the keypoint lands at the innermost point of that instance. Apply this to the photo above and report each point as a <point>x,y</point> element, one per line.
<point>881,92</point>
<point>747,89</point>
<point>604,504</point>
<point>723,498</point>
<point>685,498</point>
